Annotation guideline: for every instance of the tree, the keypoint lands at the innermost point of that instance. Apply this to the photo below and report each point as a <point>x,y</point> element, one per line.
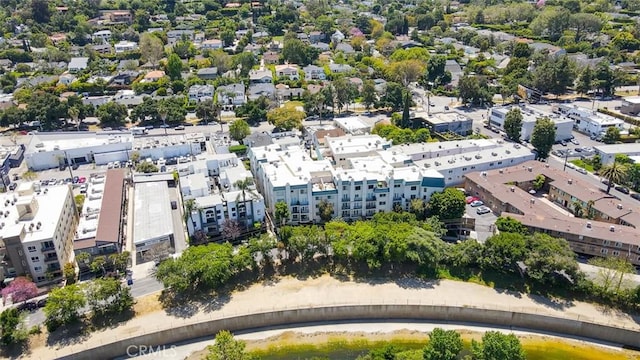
<point>442,345</point>
<point>502,251</point>
<point>325,209</point>
<point>239,129</point>
<point>417,207</point>
<point>345,92</point>
<point>543,137</point>
<point>74,114</point>
<point>498,346</point>
<point>612,271</point>
<point>296,52</point>
<point>539,181</point>
<point>12,327</point>
<point>244,185</point>
<point>474,90</point>
<point>147,167</point>
<point>509,224</point>
<point>513,124</point>
<point>611,136</point>
<point>254,111</point>
<point>112,114</point>
<point>20,289</point>
<point>448,204</point>
<point>437,74</point>
<point>208,110</point>
<point>548,256</point>
<point>109,296</point>
<point>227,348</point>
<point>69,272</point>
<point>231,230</point>
<point>369,96</point>
<point>286,118</point>
<point>406,71</point>
<point>174,67</point>
<point>605,78</point>
<point>393,96</point>
<point>282,212</point>
<point>615,173</point>
<point>406,115</point>
<point>552,22</point>
<point>63,306</point>
<point>151,48</point>
<point>120,261</point>
<point>585,81</point>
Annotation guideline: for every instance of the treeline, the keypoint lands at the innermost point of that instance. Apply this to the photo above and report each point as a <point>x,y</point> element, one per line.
<point>394,244</point>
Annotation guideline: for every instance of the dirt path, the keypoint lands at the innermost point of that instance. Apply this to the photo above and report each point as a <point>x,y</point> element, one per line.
<point>325,290</point>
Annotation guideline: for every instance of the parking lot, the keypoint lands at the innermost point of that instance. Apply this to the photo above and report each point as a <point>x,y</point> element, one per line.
<point>485,223</point>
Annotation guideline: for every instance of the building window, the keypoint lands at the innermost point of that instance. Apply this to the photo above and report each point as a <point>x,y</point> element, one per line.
<point>344,188</point>
<point>615,252</point>
<point>604,251</point>
<point>618,244</point>
<point>358,188</point>
<point>370,187</point>
<point>605,242</point>
<point>396,186</point>
<point>35,258</point>
<point>40,278</point>
<point>31,248</point>
<point>38,269</point>
<point>413,188</point>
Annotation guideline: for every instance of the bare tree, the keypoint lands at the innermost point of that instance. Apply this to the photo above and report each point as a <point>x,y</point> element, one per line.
<point>230,230</point>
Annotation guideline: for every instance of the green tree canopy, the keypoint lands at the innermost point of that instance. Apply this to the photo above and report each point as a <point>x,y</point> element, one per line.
<point>285,118</point>
<point>513,124</point>
<point>112,114</point>
<point>543,137</point>
<point>498,346</point>
<point>443,345</point>
<point>239,129</point>
<point>448,204</point>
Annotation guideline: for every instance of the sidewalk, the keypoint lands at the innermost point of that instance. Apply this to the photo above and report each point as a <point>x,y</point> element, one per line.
<point>290,293</point>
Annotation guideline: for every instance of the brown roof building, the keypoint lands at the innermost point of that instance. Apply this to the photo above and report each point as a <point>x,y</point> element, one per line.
<point>608,226</point>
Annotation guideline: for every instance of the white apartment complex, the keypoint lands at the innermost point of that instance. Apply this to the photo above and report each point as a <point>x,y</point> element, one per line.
<point>38,227</point>
<point>564,126</point>
<point>587,120</point>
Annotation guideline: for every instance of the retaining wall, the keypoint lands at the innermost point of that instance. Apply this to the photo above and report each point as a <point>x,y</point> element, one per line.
<point>500,318</point>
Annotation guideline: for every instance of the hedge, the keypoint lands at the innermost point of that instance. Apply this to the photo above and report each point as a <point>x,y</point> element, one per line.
<point>628,119</point>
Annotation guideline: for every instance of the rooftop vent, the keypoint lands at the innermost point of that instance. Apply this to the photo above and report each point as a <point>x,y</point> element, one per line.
<point>484,173</point>
<point>619,206</point>
<point>478,156</point>
<point>494,154</point>
<point>501,171</point>
<point>530,169</point>
<point>612,228</point>
<point>589,225</point>
<point>570,181</point>
<point>513,189</point>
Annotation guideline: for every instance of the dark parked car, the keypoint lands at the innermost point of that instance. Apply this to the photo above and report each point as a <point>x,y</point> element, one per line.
<point>76,179</point>
<point>75,166</point>
<point>636,196</point>
<point>622,189</point>
<point>41,303</point>
<point>13,186</point>
<point>27,306</point>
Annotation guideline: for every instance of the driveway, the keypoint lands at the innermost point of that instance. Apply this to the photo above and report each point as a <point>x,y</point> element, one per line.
<point>484,223</point>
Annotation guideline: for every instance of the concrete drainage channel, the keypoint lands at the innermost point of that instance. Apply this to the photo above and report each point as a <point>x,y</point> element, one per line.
<point>446,314</point>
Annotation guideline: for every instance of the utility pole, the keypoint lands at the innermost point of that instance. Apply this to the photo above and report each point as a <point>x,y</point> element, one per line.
<point>566,155</point>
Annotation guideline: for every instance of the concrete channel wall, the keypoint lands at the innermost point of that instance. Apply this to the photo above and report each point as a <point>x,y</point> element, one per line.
<point>451,314</point>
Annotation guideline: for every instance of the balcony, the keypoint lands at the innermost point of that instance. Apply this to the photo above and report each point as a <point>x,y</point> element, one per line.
<point>346,199</point>
<point>397,197</point>
<point>46,249</point>
<point>371,205</point>
<point>357,198</point>
<point>357,206</point>
<point>371,198</point>
<point>295,210</point>
<point>295,202</point>
<point>50,259</point>
<point>53,267</point>
<point>346,206</point>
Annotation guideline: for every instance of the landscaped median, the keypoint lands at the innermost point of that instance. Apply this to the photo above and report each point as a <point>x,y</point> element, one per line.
<point>293,301</point>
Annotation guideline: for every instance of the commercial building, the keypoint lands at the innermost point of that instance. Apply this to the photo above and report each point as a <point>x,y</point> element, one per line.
<point>352,125</point>
<point>153,226</point>
<point>630,105</point>
<point>10,157</point>
<point>608,152</point>
<point>606,227</point>
<point>101,230</point>
<point>448,122</point>
<point>588,121</point>
<point>564,126</point>
<point>37,227</point>
<point>50,150</point>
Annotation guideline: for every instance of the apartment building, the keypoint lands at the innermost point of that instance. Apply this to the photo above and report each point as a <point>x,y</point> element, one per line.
<point>37,232</point>
<point>608,152</point>
<point>607,227</point>
<point>357,188</point>
<point>587,120</point>
<point>564,126</point>
<point>198,93</point>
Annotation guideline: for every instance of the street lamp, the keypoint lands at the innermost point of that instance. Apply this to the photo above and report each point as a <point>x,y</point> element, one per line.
<point>566,155</point>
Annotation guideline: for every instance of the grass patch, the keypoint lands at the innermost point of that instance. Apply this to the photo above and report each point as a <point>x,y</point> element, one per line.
<point>581,163</point>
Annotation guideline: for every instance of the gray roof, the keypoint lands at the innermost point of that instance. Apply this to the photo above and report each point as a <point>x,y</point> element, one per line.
<point>79,62</point>
<point>208,71</point>
<point>152,213</point>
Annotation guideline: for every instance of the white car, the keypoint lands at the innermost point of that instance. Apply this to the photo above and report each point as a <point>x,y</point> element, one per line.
<point>581,170</point>
<point>476,203</point>
<point>483,210</point>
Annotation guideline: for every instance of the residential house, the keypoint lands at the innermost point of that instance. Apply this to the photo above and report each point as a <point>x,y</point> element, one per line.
<point>340,68</point>
<point>66,79</point>
<point>102,36</point>
<point>255,49</point>
<point>345,48</point>
<point>262,89</point>
<point>312,72</point>
<point>316,37</point>
<point>314,89</point>
<point>78,64</point>
<point>58,38</point>
<point>175,35</point>
<point>120,17</point>
<point>199,93</point>
<point>125,77</point>
<point>104,48</point>
<point>552,50</point>
<point>6,64</point>
<point>124,46</point>
<point>357,82</point>
<point>153,76</point>
<point>337,37</point>
<point>302,36</point>
<point>271,58</point>
<point>288,71</point>
<point>208,73</point>
<point>321,46</point>
<point>259,35</point>
<point>285,92</point>
<point>212,44</point>
<point>231,96</point>
<point>260,77</point>
<point>454,68</point>
<point>380,85</point>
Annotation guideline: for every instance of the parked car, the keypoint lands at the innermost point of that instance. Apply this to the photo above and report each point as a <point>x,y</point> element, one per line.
<point>470,199</point>
<point>563,143</point>
<point>180,127</point>
<point>75,166</point>
<point>483,210</point>
<point>606,182</point>
<point>622,189</point>
<point>13,186</point>
<point>581,170</point>
<point>82,180</point>
<point>83,189</point>
<point>574,141</point>
<point>41,303</point>
<point>476,203</point>
<point>76,179</point>
<point>635,196</point>
<point>27,306</point>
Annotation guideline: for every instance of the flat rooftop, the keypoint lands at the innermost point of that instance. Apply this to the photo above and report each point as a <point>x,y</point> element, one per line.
<point>441,118</point>
<point>356,144</point>
<point>612,149</point>
<point>352,124</point>
<point>502,156</point>
<point>111,208</point>
<point>53,141</point>
<point>148,142</point>
<point>152,212</point>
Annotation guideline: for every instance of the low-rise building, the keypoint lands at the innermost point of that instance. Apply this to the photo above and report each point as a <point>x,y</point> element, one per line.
<point>153,76</point>
<point>124,46</point>
<point>630,105</point>
<point>231,96</point>
<point>564,126</point>
<point>153,230</point>
<point>352,125</point>
<point>312,72</point>
<point>37,232</point>
<point>102,36</point>
<point>448,122</point>
<point>608,152</point>
<point>260,76</point>
<point>198,93</point>
<point>78,64</point>
<point>212,44</point>
<point>288,71</point>
<point>208,73</point>
<point>588,121</point>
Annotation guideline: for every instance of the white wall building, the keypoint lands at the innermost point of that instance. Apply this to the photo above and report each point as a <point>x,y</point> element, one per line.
<point>564,126</point>
<point>587,120</point>
<point>198,93</point>
<point>124,46</point>
<point>352,125</point>
<point>102,36</point>
<point>153,225</point>
<point>346,147</point>
<point>608,152</point>
<point>231,96</point>
<point>38,226</point>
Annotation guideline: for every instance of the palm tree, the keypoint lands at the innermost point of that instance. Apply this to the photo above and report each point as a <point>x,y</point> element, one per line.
<point>590,204</point>
<point>578,209</point>
<point>189,207</point>
<point>74,114</point>
<point>244,185</point>
<point>615,173</point>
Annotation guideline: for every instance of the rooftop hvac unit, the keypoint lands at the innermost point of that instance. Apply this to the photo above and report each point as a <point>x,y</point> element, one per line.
<point>612,228</point>
<point>589,225</point>
<point>570,181</point>
<point>619,206</point>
